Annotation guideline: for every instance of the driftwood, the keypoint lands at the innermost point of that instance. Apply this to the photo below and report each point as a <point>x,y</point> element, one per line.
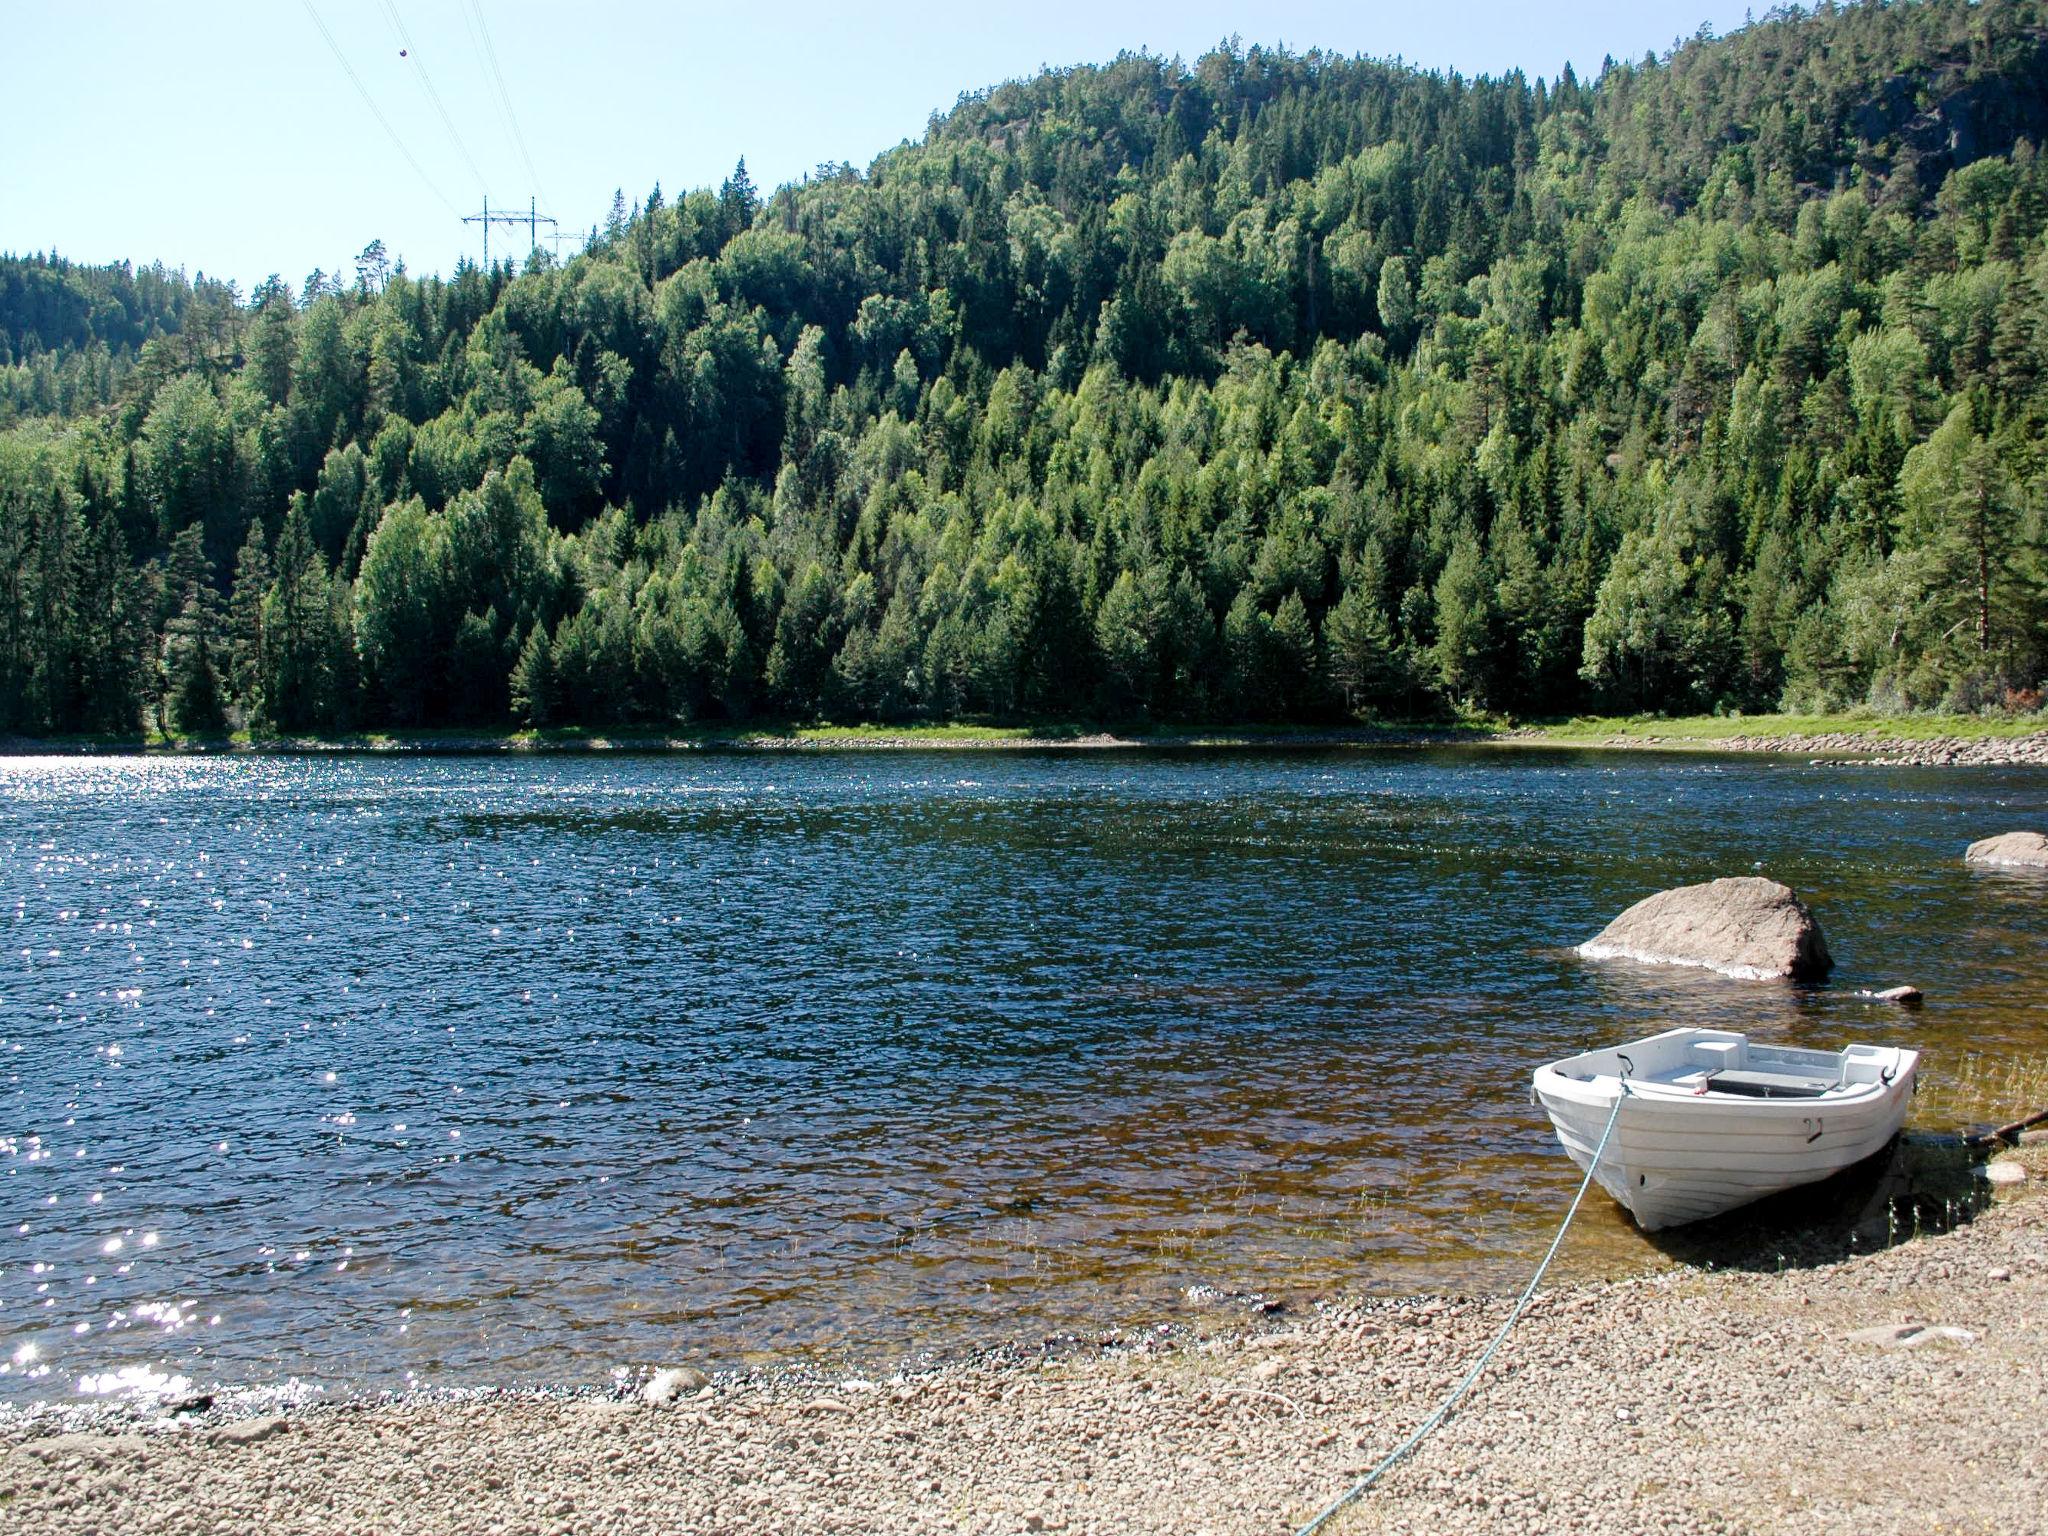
<point>2005,1132</point>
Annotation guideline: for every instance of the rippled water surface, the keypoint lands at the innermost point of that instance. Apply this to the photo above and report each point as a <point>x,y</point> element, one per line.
<point>379,1071</point>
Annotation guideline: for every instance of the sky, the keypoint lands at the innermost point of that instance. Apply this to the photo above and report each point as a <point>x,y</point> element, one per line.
<point>227,137</point>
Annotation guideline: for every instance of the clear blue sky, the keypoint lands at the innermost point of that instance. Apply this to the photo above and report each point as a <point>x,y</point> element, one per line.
<point>226,138</point>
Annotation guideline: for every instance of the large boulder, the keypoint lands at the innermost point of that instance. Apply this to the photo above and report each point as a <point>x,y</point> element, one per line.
<point>2010,850</point>
<point>1746,927</point>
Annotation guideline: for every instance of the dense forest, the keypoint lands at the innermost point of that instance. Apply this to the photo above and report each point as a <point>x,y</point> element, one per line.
<point>1279,387</point>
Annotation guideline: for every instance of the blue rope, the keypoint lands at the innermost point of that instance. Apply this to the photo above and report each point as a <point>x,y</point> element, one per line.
<point>1358,1489</point>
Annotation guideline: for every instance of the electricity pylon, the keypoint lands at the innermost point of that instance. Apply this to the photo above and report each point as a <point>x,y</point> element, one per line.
<point>532,219</point>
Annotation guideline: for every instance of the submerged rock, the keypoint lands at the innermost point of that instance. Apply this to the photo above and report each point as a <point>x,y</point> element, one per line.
<point>2010,850</point>
<point>1745,926</point>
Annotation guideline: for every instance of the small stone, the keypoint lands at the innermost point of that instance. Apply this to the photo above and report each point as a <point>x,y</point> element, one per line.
<point>1911,1335</point>
<point>826,1405</point>
<point>2005,1171</point>
<point>671,1382</point>
<point>1999,1272</point>
<point>249,1431</point>
<point>91,1447</point>
<point>1906,997</point>
<point>1274,1340</point>
<point>2035,1138</point>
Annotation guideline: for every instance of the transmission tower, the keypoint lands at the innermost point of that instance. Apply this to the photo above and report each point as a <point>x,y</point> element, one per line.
<point>532,219</point>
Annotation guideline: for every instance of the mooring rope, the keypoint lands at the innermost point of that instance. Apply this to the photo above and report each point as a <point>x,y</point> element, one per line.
<point>1358,1489</point>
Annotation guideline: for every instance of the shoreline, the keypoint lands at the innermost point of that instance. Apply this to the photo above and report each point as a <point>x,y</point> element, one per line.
<point>1618,1404</point>
<point>1904,742</point>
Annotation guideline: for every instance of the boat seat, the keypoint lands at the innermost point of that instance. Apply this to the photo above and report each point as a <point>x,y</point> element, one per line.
<point>1768,1085</point>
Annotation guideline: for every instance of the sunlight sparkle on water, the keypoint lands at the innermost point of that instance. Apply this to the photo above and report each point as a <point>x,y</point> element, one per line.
<point>136,1381</point>
<point>1049,1048</point>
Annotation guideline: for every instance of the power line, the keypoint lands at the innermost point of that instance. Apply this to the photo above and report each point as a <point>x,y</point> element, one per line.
<point>370,102</point>
<point>533,218</point>
<point>480,36</point>
<point>483,28</point>
<point>408,51</point>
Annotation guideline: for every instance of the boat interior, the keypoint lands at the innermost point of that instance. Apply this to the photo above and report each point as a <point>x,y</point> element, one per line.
<point>1714,1061</point>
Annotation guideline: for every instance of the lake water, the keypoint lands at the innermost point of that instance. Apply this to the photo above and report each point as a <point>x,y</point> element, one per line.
<point>373,1072</point>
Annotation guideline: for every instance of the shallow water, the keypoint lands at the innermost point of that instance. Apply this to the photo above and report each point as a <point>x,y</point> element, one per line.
<point>375,1072</point>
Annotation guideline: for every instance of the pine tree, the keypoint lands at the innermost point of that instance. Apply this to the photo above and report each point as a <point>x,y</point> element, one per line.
<point>1363,655</point>
<point>245,624</point>
<point>533,679</point>
<point>196,707</point>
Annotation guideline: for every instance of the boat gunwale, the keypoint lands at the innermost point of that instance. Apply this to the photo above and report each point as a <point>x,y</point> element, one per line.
<point>1600,1091</point>
<point>1597,1090</point>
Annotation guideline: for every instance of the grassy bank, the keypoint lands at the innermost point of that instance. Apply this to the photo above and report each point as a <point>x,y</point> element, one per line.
<point>1799,733</point>
<point>769,736</point>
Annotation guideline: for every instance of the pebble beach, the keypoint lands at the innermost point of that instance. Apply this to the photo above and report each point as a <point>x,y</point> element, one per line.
<point>1886,1392</point>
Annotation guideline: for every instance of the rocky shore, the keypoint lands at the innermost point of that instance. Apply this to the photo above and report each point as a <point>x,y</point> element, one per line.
<point>1891,1392</point>
<point>1930,752</point>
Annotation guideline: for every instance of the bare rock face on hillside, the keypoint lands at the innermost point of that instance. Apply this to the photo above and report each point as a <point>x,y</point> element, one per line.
<point>2010,850</point>
<point>1746,927</point>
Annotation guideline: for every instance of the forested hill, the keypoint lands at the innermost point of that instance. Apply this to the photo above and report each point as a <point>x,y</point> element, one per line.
<point>1274,387</point>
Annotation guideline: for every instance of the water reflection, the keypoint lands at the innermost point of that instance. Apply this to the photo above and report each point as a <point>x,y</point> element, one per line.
<point>380,1070</point>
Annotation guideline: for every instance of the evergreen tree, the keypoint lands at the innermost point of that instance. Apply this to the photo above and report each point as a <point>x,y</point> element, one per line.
<point>533,680</point>
<point>196,706</point>
<point>1241,388</point>
<point>245,624</point>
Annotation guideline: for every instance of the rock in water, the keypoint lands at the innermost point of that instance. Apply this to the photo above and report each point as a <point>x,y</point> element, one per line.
<point>1747,927</point>
<point>2010,850</point>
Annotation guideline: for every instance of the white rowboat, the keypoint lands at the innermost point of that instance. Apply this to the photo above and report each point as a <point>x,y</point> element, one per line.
<point>1711,1121</point>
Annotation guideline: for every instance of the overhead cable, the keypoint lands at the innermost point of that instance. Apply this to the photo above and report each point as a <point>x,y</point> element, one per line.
<point>408,51</point>
<point>480,36</point>
<point>370,102</point>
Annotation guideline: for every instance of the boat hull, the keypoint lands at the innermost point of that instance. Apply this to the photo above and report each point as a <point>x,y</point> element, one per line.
<point>1676,1159</point>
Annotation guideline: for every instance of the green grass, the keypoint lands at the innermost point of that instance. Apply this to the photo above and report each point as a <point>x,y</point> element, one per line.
<point>1984,1088</point>
<point>1584,730</point>
<point>935,732</point>
<point>817,734</point>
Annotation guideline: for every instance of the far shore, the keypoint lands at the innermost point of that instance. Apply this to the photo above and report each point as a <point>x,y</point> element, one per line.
<point>1931,740</point>
<point>1884,1392</point>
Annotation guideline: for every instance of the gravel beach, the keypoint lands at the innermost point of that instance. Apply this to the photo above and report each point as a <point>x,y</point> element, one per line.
<point>1896,1391</point>
<point>1928,752</point>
